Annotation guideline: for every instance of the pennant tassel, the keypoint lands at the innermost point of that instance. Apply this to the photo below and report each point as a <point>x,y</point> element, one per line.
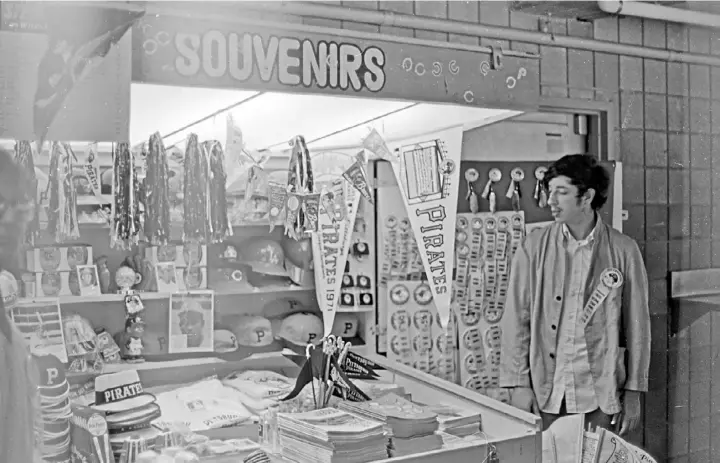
<point>24,157</point>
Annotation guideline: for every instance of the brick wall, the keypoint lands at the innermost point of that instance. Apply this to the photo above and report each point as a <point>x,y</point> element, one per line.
<point>666,137</point>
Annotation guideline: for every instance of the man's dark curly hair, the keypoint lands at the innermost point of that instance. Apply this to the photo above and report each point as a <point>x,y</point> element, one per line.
<point>584,172</point>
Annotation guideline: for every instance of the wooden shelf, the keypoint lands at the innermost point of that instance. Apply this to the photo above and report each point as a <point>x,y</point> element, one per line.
<point>148,296</point>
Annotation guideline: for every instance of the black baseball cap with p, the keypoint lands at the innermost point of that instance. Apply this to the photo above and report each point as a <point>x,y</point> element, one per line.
<point>119,392</point>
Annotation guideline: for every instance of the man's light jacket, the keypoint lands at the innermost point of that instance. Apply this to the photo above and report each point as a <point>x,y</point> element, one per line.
<point>617,335</point>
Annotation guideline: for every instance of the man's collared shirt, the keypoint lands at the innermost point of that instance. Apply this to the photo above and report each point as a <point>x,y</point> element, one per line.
<point>573,378</point>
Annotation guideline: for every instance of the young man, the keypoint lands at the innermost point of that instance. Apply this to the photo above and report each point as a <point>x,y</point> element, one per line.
<point>576,329</point>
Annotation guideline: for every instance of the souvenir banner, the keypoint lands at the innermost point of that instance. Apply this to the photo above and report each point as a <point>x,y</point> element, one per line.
<point>331,245</point>
<point>427,169</point>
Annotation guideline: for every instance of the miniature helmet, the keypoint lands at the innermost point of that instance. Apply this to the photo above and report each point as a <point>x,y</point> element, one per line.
<point>299,252</point>
<point>264,256</point>
<point>301,329</point>
<point>253,331</point>
<point>345,325</point>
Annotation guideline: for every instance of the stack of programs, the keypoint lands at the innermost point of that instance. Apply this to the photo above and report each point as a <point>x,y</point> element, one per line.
<point>456,421</point>
<point>411,427</point>
<point>329,435</point>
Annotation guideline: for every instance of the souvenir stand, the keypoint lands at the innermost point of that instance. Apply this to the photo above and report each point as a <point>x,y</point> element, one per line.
<point>200,302</point>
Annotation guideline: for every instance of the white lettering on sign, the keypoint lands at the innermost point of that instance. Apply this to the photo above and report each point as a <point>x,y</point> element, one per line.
<point>123,392</point>
<point>290,61</point>
<point>433,240</point>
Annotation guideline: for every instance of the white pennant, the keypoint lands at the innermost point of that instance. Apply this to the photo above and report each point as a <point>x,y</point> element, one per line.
<point>431,200</point>
<point>331,245</point>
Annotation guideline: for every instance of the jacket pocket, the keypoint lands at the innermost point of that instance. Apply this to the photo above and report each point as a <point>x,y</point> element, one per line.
<point>620,371</point>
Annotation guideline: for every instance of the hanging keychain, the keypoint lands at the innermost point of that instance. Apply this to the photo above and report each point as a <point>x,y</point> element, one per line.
<point>494,176</point>
<point>516,176</point>
<point>472,176</point>
<point>540,192</point>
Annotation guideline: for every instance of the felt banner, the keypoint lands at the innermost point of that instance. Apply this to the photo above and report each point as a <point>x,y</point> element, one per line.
<point>331,245</point>
<point>427,169</point>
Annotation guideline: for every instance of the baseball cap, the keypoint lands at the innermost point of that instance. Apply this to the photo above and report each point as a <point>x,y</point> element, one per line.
<point>253,331</point>
<point>225,341</point>
<point>301,329</point>
<point>264,256</point>
<point>283,306</point>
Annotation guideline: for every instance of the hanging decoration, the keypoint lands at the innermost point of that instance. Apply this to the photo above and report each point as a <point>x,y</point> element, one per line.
<point>472,176</point>
<point>488,193</point>
<point>196,189</point>
<point>125,224</point>
<point>219,225</point>
<point>24,157</point>
<point>357,176</point>
<point>540,190</point>
<point>157,189</point>
<point>513,193</point>
<point>300,182</point>
<point>331,245</point>
<point>61,194</point>
<point>427,170</point>
<point>277,194</point>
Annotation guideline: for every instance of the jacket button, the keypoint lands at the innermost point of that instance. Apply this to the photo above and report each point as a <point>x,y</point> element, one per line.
<point>558,298</point>
<point>553,327</point>
<point>552,356</point>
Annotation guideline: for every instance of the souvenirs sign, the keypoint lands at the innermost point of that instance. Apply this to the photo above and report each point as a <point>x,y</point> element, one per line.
<point>331,245</point>
<point>427,170</point>
<point>203,53</point>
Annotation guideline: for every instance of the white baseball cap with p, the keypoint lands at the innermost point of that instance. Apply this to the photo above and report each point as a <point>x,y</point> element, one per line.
<point>119,392</point>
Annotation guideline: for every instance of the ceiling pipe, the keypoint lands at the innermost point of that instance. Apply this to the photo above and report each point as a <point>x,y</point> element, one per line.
<point>661,13</point>
<point>389,18</point>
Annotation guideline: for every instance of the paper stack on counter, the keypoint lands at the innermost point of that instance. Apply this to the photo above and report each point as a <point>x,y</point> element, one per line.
<point>410,427</point>
<point>456,421</point>
<point>330,435</point>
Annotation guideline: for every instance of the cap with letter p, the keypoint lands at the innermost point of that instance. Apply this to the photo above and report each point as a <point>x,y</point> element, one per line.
<point>119,392</point>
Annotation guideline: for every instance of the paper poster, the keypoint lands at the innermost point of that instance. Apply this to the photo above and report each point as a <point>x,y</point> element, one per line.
<point>192,318</point>
<point>40,323</point>
<point>331,245</point>
<point>427,170</point>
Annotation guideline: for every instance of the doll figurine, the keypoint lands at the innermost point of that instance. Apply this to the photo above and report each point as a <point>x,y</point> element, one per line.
<point>132,344</point>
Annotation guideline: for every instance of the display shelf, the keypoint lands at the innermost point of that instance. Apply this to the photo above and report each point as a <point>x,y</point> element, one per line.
<point>154,296</point>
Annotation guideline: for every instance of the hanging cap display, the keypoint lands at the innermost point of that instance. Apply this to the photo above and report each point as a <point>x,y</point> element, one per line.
<point>299,252</point>
<point>253,331</point>
<point>264,256</point>
<point>301,329</point>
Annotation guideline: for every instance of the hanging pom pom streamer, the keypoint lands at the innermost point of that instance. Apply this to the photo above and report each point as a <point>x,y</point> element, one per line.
<point>125,219</point>
<point>25,159</point>
<point>219,224</point>
<point>300,182</point>
<point>196,192</point>
<point>157,189</point>
<point>62,213</point>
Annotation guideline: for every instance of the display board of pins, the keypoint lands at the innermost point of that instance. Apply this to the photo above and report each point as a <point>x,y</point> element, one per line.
<point>398,259</point>
<point>415,336</point>
<point>358,285</point>
<point>485,244</point>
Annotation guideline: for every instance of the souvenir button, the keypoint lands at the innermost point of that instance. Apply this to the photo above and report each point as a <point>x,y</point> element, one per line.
<point>347,281</point>
<point>366,299</point>
<point>347,299</point>
<point>363,281</point>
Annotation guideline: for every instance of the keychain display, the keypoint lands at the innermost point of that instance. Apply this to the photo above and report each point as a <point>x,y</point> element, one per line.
<point>540,191</point>
<point>494,176</point>
<point>472,176</point>
<point>490,241</point>
<point>516,176</point>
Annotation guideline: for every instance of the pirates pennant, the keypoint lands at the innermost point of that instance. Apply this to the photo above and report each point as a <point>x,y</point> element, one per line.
<point>360,360</point>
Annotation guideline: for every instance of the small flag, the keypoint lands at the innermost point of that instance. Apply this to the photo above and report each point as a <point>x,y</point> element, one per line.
<point>79,37</point>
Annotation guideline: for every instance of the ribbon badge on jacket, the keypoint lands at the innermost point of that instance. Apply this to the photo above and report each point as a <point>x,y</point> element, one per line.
<point>610,279</point>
